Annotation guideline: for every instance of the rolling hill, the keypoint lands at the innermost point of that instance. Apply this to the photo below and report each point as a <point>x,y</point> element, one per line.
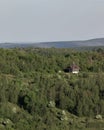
<point>57,44</point>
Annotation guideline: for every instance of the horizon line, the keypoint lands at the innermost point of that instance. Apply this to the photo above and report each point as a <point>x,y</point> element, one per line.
<point>33,42</point>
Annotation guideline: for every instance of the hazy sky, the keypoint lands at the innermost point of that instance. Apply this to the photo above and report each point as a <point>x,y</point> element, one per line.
<point>50,20</point>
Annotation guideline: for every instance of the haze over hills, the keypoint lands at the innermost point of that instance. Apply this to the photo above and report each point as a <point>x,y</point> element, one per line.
<point>57,44</point>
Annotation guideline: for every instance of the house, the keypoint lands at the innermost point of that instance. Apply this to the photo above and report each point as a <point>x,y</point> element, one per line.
<point>73,69</point>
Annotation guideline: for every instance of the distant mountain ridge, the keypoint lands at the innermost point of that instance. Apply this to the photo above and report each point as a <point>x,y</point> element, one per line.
<point>57,44</point>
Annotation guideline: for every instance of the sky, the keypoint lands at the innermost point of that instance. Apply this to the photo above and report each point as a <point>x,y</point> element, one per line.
<point>51,20</point>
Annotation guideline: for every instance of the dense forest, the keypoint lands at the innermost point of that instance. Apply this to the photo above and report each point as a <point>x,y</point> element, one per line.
<point>37,94</point>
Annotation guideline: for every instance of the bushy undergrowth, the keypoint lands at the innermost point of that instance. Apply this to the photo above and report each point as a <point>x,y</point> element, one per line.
<point>36,93</point>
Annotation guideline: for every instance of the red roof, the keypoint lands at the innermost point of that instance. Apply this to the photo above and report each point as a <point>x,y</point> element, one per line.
<point>74,67</point>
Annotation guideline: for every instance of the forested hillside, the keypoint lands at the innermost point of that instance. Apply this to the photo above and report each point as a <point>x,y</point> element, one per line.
<point>36,93</point>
